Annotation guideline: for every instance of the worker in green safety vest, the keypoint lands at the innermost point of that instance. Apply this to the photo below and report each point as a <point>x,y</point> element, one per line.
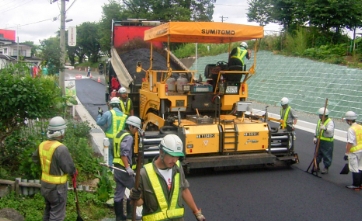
<point>237,56</point>
<point>113,121</point>
<point>123,150</point>
<point>324,132</point>
<point>126,104</point>
<point>288,116</point>
<point>163,185</point>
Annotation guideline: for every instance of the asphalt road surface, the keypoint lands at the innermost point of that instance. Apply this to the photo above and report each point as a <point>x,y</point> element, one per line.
<point>284,193</point>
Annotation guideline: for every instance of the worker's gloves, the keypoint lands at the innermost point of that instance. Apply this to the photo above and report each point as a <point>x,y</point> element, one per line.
<point>100,111</point>
<point>322,127</point>
<point>345,157</point>
<point>315,140</point>
<point>135,194</point>
<point>130,171</point>
<point>199,216</point>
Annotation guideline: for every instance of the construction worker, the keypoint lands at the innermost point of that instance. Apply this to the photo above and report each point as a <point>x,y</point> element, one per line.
<point>324,132</point>
<point>56,163</point>
<point>288,116</point>
<point>166,176</point>
<point>123,149</point>
<point>238,55</point>
<point>354,149</point>
<point>114,121</point>
<point>126,102</point>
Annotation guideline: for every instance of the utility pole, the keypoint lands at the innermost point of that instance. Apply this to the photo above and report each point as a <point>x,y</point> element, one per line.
<point>62,46</point>
<point>222,18</point>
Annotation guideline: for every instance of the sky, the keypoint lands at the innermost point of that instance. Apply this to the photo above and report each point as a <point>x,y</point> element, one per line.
<point>33,19</point>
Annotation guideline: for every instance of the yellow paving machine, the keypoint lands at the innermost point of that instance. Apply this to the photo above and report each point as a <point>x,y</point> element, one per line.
<point>212,117</point>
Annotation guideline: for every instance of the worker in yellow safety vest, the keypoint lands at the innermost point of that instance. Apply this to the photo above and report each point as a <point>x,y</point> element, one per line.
<point>126,104</point>
<point>163,185</point>
<point>113,121</point>
<point>288,116</point>
<point>237,56</point>
<point>354,149</point>
<point>56,163</point>
<point>123,149</point>
<point>324,132</point>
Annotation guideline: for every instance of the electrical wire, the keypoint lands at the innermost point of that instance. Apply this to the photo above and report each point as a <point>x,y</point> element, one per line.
<point>14,7</point>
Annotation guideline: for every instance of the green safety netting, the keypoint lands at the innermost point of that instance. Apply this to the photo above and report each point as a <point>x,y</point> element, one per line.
<point>306,83</point>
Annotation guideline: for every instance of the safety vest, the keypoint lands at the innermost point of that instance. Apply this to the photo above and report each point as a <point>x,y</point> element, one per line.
<point>166,210</point>
<point>285,117</point>
<point>126,109</point>
<point>118,122</point>
<point>46,150</point>
<point>240,54</point>
<point>358,131</point>
<point>117,147</point>
<point>322,137</point>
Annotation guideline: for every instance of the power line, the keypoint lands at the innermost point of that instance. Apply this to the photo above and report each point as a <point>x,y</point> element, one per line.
<point>14,7</point>
<point>30,23</point>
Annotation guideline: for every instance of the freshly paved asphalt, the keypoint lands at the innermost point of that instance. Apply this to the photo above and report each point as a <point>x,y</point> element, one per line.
<point>263,193</point>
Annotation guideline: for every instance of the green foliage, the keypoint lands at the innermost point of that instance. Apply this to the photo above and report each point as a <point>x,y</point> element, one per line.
<point>76,139</point>
<point>24,97</point>
<point>32,207</point>
<point>296,43</point>
<point>105,188</point>
<point>87,40</point>
<point>50,53</point>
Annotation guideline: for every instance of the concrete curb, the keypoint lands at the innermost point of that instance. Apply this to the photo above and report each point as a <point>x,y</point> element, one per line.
<point>97,134</point>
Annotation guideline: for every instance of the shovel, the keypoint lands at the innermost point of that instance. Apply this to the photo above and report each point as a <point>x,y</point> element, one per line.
<point>76,200</point>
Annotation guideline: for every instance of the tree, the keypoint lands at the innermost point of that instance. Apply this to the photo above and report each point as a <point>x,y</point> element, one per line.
<point>171,10</point>
<point>88,40</point>
<point>50,53</point>
<point>337,14</point>
<point>260,11</point>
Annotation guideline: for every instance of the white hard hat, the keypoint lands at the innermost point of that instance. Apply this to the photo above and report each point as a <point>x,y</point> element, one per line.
<point>57,123</point>
<point>122,90</point>
<point>321,111</point>
<point>244,45</point>
<point>284,101</point>
<point>350,115</point>
<point>172,145</point>
<point>115,100</point>
<point>134,121</point>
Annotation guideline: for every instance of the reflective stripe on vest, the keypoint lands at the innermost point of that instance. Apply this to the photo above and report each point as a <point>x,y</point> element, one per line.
<point>117,124</point>
<point>240,54</point>
<point>358,131</point>
<point>117,147</point>
<point>46,151</point>
<point>126,109</point>
<point>322,137</point>
<point>166,210</point>
<point>285,117</point>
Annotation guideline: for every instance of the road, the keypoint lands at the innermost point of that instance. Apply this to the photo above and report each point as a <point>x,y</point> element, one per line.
<point>264,193</point>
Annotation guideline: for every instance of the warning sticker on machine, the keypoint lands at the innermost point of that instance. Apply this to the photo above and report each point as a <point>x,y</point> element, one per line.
<point>249,134</point>
<point>205,135</point>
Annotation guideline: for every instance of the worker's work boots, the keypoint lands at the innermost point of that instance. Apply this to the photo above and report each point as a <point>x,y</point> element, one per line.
<point>324,171</point>
<point>118,209</point>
